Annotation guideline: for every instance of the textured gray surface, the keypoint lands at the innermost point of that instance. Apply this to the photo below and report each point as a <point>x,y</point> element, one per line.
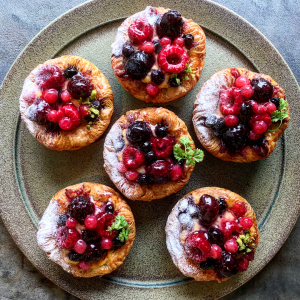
<point>279,22</point>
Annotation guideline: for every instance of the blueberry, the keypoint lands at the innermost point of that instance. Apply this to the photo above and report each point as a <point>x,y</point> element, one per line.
<point>157,76</point>
<point>188,39</point>
<point>109,208</point>
<point>215,236</point>
<point>62,219</point>
<point>69,72</point>
<point>174,81</point>
<point>161,130</point>
<point>144,179</point>
<point>276,101</point>
<point>150,157</point>
<point>117,243</point>
<point>211,121</point>
<point>127,50</point>
<point>138,132</point>
<point>158,46</point>
<point>146,147</point>
<point>222,204</point>
<point>245,112</point>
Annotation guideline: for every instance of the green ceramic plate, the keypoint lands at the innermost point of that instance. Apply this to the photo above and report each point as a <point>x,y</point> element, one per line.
<point>31,173</point>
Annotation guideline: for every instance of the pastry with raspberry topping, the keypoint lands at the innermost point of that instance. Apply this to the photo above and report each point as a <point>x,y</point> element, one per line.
<point>149,154</point>
<point>158,55</point>
<point>239,115</point>
<point>88,229</point>
<point>66,103</point>
<point>212,234</point>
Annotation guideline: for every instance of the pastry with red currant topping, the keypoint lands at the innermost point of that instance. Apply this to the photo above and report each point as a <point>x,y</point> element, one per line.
<point>212,234</point>
<point>149,154</point>
<point>158,55</point>
<point>66,103</point>
<point>88,229</point>
<point>239,115</point>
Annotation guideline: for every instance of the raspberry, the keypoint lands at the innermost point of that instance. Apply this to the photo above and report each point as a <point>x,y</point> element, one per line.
<point>165,41</point>
<point>231,246</point>
<point>239,208</point>
<point>50,95</point>
<point>106,243</point>
<point>71,223</point>
<point>103,223</point>
<point>235,72</point>
<point>80,207</point>
<point>80,246</point>
<point>260,127</point>
<point>247,91</point>
<point>253,136</point>
<point>197,247</point>
<point>84,110</point>
<point>246,223</point>
<point>152,89</point>
<point>231,120</point>
<point>148,47</point>
<point>66,238</point>
<point>90,222</point>
<point>65,96</point>
<point>243,264</point>
<point>121,167</point>
<point>65,124</point>
<point>131,175</point>
<point>48,77</point>
<point>159,168</point>
<point>162,147</point>
<point>176,173</point>
<point>241,81</point>
<point>132,157</point>
<point>52,116</point>
<point>140,31</point>
<point>173,59</point>
<point>179,42</point>
<point>228,227</point>
<point>230,101</point>
<point>80,87</point>
<point>271,107</point>
<point>216,251</point>
<point>69,117</point>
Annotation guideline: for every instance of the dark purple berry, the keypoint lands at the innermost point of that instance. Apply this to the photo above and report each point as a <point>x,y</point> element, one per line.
<point>263,89</point>
<point>90,236</point>
<point>236,137</point>
<point>174,81</point>
<point>160,180</point>
<point>188,39</point>
<point>37,111</point>
<point>157,46</point>
<point>69,72</point>
<point>109,208</point>
<point>138,132</point>
<point>146,147</point>
<point>93,253</point>
<point>219,128</point>
<point>80,87</point>
<point>207,264</point>
<point>171,25</point>
<point>211,121</point>
<point>157,76</point>
<point>245,112</point>
<point>72,255</point>
<point>81,207</point>
<point>117,243</point>
<point>222,204</point>
<point>127,50</point>
<point>150,157</point>
<point>276,101</point>
<point>62,219</point>
<point>161,130</point>
<point>215,236</point>
<point>209,209</point>
<point>227,266</point>
<point>144,179</point>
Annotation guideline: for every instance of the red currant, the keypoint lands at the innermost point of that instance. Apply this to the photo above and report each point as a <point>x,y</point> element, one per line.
<point>52,116</point>
<point>260,127</point>
<point>165,41</point>
<point>71,223</point>
<point>231,246</point>
<point>121,167</point>
<point>50,95</point>
<point>131,175</point>
<point>246,223</point>
<point>84,265</point>
<point>148,47</point>
<point>152,89</point>
<point>271,107</point>
<point>179,42</point>
<point>247,91</point>
<point>231,120</point>
<point>84,109</point>
<point>216,251</point>
<point>90,222</point>
<point>65,96</point>
<point>80,246</point>
<point>106,243</point>
<point>242,81</point>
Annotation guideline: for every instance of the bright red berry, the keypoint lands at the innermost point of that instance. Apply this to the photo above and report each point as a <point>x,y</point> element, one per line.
<point>152,88</point>
<point>148,47</point>
<point>162,147</point>
<point>271,107</point>
<point>84,109</point>
<point>242,81</point>
<point>50,96</point>
<point>49,77</point>
<point>80,246</point>
<point>235,72</point>
<point>254,106</point>
<point>247,91</point>
<point>216,251</point>
<point>69,117</point>
<point>243,264</point>
<point>106,243</point>
<point>228,227</point>
<point>65,96</point>
<point>246,223</point>
<point>231,101</point>
<point>71,223</point>
<point>139,31</point>
<point>231,246</point>
<point>65,123</point>
<point>179,42</point>
<point>231,120</point>
<point>84,265</point>
<point>176,173</point>
<point>132,157</point>
<point>104,220</point>
<point>90,222</point>
<point>239,208</point>
<point>52,116</point>
<point>260,127</point>
<point>165,41</point>
<point>67,237</point>
<point>159,168</point>
<point>253,136</point>
<point>121,167</point>
<point>131,175</point>
<point>261,109</point>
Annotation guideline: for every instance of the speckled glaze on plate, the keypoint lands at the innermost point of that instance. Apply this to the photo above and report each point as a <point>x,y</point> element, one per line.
<point>31,173</point>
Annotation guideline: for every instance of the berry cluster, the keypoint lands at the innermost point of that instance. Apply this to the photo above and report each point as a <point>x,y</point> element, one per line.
<point>56,108</point>
<point>223,242</point>
<point>247,109</point>
<point>149,157</point>
<point>84,230</point>
<point>162,43</point>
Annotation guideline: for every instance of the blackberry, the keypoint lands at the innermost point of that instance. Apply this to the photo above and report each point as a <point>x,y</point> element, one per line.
<point>139,64</point>
<point>93,253</point>
<point>157,76</point>
<point>80,87</point>
<point>245,112</point>
<point>146,147</point>
<point>222,204</point>
<point>127,50</point>
<point>138,132</point>
<point>61,221</point>
<point>227,266</point>
<point>144,179</point>
<point>72,255</point>
<point>207,264</point>
<point>80,207</point>
<point>69,72</point>
<point>236,137</point>
<point>158,46</point>
<point>161,130</point>
<point>90,236</point>
<point>263,89</point>
<point>219,128</point>
<point>171,25</point>
<point>188,39</point>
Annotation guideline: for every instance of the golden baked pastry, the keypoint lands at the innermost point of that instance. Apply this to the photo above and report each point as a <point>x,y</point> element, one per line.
<point>239,115</point>
<point>138,154</point>
<point>88,229</point>
<point>204,222</point>
<point>66,103</point>
<point>149,67</point>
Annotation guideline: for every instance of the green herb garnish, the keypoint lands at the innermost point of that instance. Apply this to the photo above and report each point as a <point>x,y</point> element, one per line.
<point>120,224</point>
<point>188,154</point>
<point>281,114</point>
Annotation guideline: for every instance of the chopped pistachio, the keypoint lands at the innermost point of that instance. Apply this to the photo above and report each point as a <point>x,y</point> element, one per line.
<point>193,76</point>
<point>93,95</point>
<point>242,236</point>
<point>178,81</point>
<point>248,250</point>
<point>94,111</point>
<point>90,123</point>
<point>88,126</point>
<point>241,244</point>
<point>186,77</point>
<point>247,238</point>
